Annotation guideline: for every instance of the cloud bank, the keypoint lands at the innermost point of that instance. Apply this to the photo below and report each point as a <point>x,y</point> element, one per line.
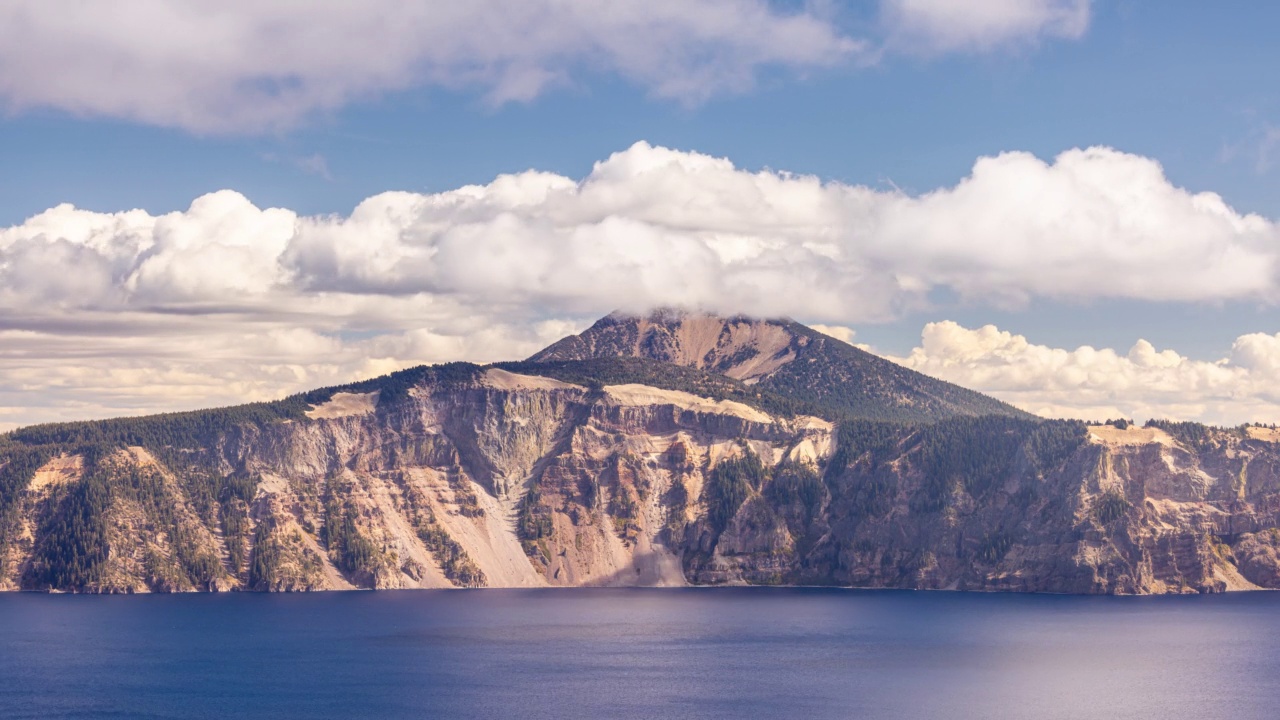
<point>250,65</point>
<point>259,66</point>
<point>225,301</point>
<point>1099,384</point>
<point>651,226</point>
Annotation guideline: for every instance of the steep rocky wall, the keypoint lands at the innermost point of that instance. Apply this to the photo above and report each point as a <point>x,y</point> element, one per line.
<point>515,481</point>
<point>437,490</point>
<point>1126,512</point>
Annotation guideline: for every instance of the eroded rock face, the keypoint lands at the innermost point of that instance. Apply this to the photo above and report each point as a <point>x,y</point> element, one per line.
<point>1126,512</point>
<point>509,480</point>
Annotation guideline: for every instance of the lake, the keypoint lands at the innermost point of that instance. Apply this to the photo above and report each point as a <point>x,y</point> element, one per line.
<point>639,653</point>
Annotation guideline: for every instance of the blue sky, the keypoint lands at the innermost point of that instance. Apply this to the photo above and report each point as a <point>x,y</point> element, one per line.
<point>867,97</point>
<point>1175,81</point>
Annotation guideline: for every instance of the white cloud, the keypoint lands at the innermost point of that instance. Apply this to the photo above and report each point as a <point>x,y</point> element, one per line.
<point>145,365</point>
<point>839,332</point>
<point>1098,384</point>
<point>252,65</point>
<point>940,26</point>
<point>656,226</point>
<point>1095,223</point>
<point>226,301</point>
<point>265,65</point>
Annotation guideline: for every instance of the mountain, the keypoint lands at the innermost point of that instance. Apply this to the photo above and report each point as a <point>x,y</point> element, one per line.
<point>782,357</point>
<point>628,470</point>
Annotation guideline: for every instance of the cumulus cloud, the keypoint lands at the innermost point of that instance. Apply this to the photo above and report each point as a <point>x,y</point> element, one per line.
<point>263,65</point>
<point>258,302</point>
<point>1102,383</point>
<point>653,226</point>
<point>941,26</point>
<point>656,226</point>
<point>250,65</point>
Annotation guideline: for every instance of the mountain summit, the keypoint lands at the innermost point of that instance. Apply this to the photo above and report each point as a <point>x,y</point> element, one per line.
<point>781,356</point>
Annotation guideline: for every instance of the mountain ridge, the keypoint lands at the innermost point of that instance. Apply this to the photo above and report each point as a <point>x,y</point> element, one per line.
<point>628,470</point>
<point>782,356</point>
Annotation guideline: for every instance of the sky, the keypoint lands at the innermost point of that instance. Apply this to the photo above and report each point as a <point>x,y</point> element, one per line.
<point>1069,204</point>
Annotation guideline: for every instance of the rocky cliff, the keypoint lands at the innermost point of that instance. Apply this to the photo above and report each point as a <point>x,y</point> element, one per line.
<point>576,473</point>
<point>1070,508</point>
<point>499,480</point>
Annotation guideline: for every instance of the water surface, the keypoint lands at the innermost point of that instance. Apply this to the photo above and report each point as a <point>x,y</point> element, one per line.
<point>701,653</point>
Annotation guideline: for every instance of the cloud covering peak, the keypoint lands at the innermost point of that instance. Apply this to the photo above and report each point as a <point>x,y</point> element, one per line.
<point>1101,383</point>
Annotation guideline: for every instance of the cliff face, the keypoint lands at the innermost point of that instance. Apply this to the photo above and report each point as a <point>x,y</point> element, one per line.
<point>509,480</point>
<point>1126,511</point>
<point>671,449</point>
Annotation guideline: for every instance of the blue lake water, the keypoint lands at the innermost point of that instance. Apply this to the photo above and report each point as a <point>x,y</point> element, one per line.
<point>700,653</point>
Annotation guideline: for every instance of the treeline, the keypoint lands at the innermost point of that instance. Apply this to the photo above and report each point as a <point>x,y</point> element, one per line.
<point>74,541</point>
<point>975,452</point>
<point>959,445</point>
<point>1202,437</point>
<point>979,452</point>
<point>181,429</point>
<point>734,481</point>
<point>394,387</point>
<point>729,485</point>
<point>18,464</point>
<point>453,559</point>
<point>1193,435</point>
<point>856,438</point>
<point>534,525</point>
<point>349,548</point>
<point>73,548</point>
<point>198,429</point>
